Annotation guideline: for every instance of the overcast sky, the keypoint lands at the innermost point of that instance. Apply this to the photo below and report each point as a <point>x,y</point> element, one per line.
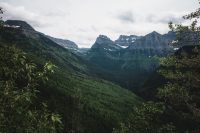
<point>83,20</point>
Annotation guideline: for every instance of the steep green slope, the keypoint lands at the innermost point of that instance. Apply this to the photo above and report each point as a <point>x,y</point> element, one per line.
<point>126,68</point>
<point>87,104</point>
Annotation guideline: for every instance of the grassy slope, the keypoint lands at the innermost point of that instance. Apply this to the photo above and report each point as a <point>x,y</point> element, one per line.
<point>87,104</point>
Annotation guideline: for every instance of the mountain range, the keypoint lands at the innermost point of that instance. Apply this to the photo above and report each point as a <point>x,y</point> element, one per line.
<point>128,61</point>
<point>132,65</point>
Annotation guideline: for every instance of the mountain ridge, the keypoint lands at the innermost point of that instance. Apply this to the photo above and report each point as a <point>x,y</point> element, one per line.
<point>103,42</point>
<point>126,40</point>
<point>65,43</point>
<point>22,24</point>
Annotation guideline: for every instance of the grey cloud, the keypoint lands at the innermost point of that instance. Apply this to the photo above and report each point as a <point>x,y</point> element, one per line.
<point>126,17</point>
<point>165,18</point>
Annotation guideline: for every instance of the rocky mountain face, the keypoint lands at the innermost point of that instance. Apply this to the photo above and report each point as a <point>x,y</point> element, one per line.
<point>150,44</point>
<point>105,43</point>
<point>65,43</point>
<point>125,41</point>
<point>152,40</point>
<point>153,44</point>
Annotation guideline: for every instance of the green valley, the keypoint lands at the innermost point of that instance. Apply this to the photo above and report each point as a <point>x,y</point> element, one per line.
<point>60,74</point>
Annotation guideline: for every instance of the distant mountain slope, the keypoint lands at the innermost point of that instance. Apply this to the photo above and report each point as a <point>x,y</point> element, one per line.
<point>154,42</point>
<point>125,41</point>
<point>129,67</point>
<point>36,43</point>
<point>65,43</point>
<point>105,43</point>
<point>103,53</point>
<point>21,24</point>
<point>87,104</point>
